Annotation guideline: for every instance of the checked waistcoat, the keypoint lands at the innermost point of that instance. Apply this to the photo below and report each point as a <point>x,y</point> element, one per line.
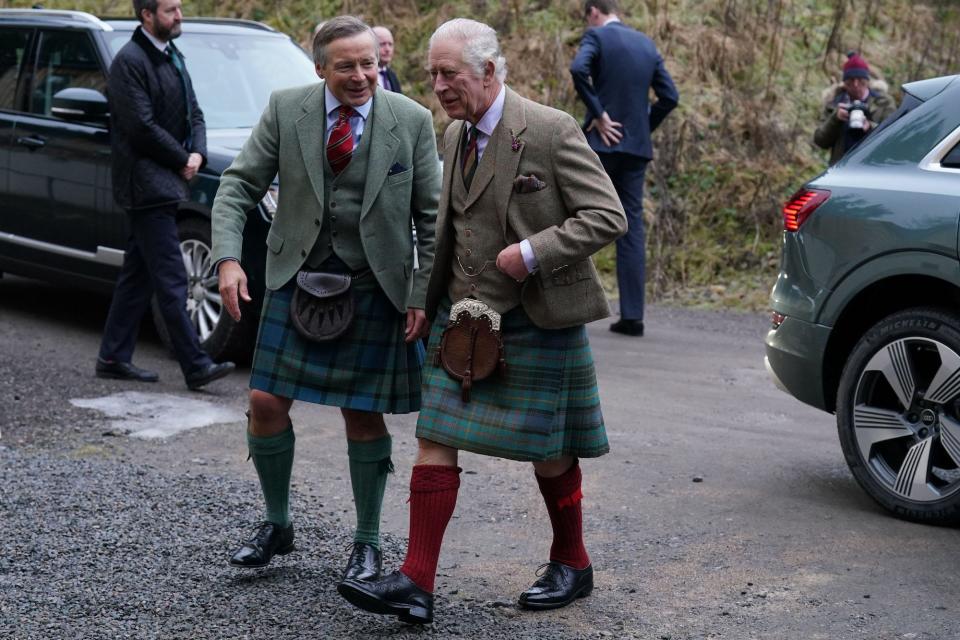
<point>479,237</point>
<point>342,199</point>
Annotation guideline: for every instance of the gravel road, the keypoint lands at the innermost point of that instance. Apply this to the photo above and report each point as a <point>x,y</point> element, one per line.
<point>723,511</point>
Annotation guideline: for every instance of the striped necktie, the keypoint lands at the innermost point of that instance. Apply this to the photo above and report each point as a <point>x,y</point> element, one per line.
<point>340,144</point>
<point>470,157</point>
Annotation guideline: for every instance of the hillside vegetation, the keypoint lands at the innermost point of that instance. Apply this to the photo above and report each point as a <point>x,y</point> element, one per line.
<point>750,74</point>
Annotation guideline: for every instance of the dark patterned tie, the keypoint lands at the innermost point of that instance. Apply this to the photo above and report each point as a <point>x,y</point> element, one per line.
<point>470,157</point>
<point>177,61</point>
<point>340,144</point>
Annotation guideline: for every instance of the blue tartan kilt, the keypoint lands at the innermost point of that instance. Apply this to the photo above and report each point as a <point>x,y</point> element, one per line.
<point>546,405</point>
<point>369,368</point>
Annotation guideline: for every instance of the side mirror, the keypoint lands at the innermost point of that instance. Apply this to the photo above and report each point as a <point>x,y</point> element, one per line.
<point>80,105</point>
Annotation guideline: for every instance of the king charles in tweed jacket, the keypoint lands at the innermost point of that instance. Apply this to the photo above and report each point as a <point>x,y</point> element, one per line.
<point>525,203</point>
<point>569,220</point>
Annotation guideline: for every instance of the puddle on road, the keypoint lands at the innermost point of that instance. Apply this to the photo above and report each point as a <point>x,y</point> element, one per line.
<point>157,415</point>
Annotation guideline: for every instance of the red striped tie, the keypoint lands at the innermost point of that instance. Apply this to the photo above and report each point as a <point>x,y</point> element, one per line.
<point>340,145</point>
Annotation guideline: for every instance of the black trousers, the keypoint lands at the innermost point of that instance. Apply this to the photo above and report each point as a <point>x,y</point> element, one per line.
<point>152,265</point>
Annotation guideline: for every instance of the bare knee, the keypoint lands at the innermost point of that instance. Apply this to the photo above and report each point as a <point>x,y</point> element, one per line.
<point>434,453</point>
<point>269,414</point>
<point>553,468</point>
<point>363,426</point>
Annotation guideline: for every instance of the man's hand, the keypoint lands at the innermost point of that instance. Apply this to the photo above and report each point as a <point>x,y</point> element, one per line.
<point>608,129</point>
<point>193,165</point>
<point>233,284</point>
<point>417,326</point>
<point>510,262</point>
<point>843,112</point>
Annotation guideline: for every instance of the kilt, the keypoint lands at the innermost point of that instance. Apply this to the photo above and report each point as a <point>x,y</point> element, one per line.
<point>369,368</point>
<point>546,405</point>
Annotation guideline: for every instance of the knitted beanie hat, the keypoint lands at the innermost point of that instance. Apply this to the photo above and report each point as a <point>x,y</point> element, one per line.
<point>855,66</point>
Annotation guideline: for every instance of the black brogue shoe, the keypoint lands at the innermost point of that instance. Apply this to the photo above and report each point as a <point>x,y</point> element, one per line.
<point>393,595</point>
<point>269,540</point>
<point>557,587</point>
<point>364,562</point>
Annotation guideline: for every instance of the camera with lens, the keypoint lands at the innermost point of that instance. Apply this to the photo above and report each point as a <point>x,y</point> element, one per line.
<point>858,114</point>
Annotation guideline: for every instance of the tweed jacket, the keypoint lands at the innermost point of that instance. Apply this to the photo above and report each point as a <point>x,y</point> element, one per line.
<point>402,185</point>
<point>571,218</point>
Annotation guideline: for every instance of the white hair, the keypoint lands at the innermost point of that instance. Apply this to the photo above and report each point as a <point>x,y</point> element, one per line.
<point>480,45</point>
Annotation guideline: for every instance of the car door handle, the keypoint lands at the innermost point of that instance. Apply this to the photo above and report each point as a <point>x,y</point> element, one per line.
<point>31,142</point>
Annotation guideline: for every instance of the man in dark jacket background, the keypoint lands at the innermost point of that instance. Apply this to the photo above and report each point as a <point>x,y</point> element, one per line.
<point>613,72</point>
<point>158,144</point>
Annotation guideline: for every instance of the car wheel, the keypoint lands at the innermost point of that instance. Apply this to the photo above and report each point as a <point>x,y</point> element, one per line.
<point>898,414</point>
<point>220,336</point>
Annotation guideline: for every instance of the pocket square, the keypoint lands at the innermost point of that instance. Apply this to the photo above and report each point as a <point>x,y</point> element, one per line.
<point>528,184</point>
<point>396,168</point>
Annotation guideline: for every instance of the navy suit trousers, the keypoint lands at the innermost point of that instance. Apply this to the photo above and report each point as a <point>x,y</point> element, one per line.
<point>152,265</point>
<point>627,173</point>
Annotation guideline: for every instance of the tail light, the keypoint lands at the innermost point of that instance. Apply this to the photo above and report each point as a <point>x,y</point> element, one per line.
<point>801,205</point>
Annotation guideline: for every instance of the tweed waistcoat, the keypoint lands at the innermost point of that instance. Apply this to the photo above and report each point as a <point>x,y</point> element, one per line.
<point>342,199</point>
<point>478,238</point>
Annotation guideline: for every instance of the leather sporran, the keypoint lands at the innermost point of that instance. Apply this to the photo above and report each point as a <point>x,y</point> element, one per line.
<point>471,347</point>
<point>322,305</point>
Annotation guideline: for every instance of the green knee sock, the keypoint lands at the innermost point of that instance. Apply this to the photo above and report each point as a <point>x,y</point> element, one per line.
<point>369,465</point>
<point>273,459</point>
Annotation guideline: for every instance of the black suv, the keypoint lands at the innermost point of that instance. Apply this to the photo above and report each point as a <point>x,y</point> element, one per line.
<point>58,220</point>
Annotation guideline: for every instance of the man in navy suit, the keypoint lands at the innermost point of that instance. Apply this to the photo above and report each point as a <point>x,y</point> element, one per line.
<point>613,72</point>
<point>387,77</point>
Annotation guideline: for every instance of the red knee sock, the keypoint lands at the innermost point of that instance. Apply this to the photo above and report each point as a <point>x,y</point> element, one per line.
<point>433,495</point>
<point>562,496</point>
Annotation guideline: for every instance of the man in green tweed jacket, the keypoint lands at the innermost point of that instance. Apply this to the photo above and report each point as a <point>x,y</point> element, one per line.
<point>356,166</point>
<point>525,203</point>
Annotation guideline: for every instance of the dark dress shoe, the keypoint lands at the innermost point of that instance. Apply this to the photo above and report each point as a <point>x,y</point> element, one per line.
<point>269,540</point>
<point>364,562</point>
<point>628,327</point>
<point>205,375</point>
<point>557,587</point>
<point>124,371</point>
<point>394,595</point>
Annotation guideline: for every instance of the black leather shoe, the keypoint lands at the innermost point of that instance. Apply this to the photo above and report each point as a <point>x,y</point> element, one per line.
<point>394,595</point>
<point>557,587</point>
<point>364,562</point>
<point>269,540</point>
<point>208,374</point>
<point>124,371</point>
<point>628,327</point>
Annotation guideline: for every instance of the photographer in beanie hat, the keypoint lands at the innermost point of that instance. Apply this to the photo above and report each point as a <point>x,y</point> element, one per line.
<point>852,109</point>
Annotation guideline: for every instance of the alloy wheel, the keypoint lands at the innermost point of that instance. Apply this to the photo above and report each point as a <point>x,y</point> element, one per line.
<point>204,303</point>
<point>906,419</point>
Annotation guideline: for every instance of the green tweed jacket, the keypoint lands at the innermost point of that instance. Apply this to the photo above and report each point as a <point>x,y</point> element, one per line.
<point>573,217</point>
<point>402,185</point>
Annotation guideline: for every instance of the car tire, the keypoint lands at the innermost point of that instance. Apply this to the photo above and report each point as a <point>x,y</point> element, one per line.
<point>898,414</point>
<point>220,336</point>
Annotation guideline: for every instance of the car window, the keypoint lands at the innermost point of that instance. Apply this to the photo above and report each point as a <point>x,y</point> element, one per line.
<point>952,159</point>
<point>234,75</point>
<point>66,59</point>
<point>13,48</point>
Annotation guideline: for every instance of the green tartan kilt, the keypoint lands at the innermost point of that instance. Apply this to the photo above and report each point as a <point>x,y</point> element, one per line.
<point>369,368</point>
<point>546,405</point>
